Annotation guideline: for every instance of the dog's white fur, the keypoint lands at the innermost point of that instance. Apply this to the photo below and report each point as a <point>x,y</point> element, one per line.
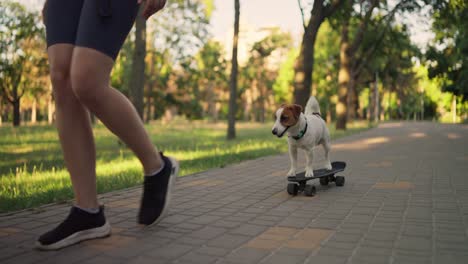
<point>316,134</point>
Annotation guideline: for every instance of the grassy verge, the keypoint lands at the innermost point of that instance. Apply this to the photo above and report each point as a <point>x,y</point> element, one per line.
<point>32,171</point>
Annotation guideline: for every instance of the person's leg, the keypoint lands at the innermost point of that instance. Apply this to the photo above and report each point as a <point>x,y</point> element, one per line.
<point>61,19</point>
<point>99,39</point>
<point>90,73</point>
<point>90,82</point>
<point>74,128</point>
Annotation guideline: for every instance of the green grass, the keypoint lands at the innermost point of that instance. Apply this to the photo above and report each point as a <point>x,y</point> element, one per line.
<point>32,171</point>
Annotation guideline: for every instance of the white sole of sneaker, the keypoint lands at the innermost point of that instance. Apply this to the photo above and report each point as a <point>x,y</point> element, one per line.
<point>77,237</point>
<point>172,180</point>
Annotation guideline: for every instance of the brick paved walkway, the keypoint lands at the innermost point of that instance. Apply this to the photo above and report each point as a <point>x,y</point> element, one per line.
<point>405,201</point>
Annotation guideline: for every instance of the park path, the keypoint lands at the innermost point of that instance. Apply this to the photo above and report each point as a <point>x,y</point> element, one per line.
<point>405,201</point>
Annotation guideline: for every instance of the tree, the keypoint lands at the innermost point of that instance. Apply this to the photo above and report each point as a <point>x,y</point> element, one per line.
<point>393,63</point>
<point>304,65</point>
<point>283,86</point>
<point>348,50</point>
<point>35,80</point>
<point>158,73</point>
<point>180,29</point>
<point>325,79</point>
<point>231,132</point>
<point>211,67</point>
<point>261,71</point>
<point>353,55</point>
<point>18,28</point>
<point>447,57</point>
<point>137,79</point>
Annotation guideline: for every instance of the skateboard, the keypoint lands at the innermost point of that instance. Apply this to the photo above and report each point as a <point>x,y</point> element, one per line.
<point>298,183</point>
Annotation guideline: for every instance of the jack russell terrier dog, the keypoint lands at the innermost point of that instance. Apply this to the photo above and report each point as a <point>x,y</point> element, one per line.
<point>305,131</point>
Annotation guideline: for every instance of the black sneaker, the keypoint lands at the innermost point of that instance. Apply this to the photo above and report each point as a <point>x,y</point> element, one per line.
<point>78,226</point>
<point>157,192</point>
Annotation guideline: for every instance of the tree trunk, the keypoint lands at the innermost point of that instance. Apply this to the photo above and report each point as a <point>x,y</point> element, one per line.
<point>137,79</point>
<point>34,112</point>
<point>148,108</point>
<point>212,98</point>
<point>15,101</point>
<point>374,101</point>
<point>304,66</point>
<point>344,77</point>
<point>50,111</point>
<point>454,109</point>
<point>261,112</point>
<point>16,113</point>
<point>231,133</point>
<point>349,69</point>
<point>353,101</point>
<point>247,104</point>
<point>261,102</point>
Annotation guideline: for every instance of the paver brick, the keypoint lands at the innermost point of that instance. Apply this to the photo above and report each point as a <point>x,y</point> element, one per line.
<point>169,252</point>
<point>228,241</point>
<point>248,229</point>
<point>212,251</point>
<point>282,259</point>
<point>326,259</point>
<point>196,259</point>
<point>208,232</point>
<point>110,260</point>
<point>344,253</point>
<point>247,255</point>
<point>414,243</point>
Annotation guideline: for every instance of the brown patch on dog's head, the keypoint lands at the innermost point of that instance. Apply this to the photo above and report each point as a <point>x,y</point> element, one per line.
<point>290,114</point>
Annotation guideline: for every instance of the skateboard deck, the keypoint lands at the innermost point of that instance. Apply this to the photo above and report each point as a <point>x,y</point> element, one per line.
<point>337,166</point>
<point>298,183</point>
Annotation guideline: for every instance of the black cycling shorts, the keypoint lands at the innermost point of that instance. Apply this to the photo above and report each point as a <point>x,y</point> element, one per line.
<point>101,25</point>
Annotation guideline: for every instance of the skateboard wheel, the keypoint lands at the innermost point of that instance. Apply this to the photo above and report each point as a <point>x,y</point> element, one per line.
<point>324,181</point>
<point>339,180</point>
<point>293,188</point>
<point>310,190</point>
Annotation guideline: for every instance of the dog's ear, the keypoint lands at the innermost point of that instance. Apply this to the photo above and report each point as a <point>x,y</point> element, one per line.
<point>296,109</point>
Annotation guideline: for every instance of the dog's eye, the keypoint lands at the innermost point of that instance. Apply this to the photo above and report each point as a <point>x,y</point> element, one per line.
<point>284,118</point>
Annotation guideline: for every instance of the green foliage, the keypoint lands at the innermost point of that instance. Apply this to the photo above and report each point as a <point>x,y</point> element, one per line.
<point>434,96</point>
<point>211,63</point>
<point>202,79</point>
<point>448,56</point>
<point>121,71</point>
<point>283,86</point>
<point>393,62</point>
<point>274,41</point>
<point>159,70</point>
<point>325,76</point>
<point>209,8</point>
<point>174,35</point>
<point>259,75</point>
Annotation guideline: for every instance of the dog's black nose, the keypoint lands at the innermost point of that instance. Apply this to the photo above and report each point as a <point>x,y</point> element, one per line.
<point>274,131</point>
